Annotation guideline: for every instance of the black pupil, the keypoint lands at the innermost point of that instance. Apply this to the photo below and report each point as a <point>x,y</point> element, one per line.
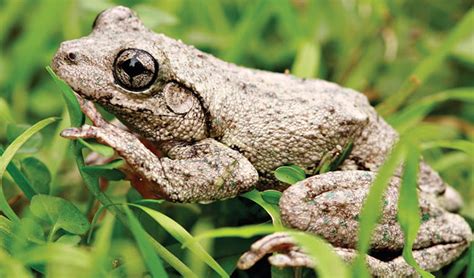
<point>133,67</point>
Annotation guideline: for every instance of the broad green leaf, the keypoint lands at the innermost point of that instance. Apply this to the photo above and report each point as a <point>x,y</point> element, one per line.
<point>290,174</point>
<point>372,208</point>
<point>37,173</point>
<point>181,235</point>
<point>408,207</point>
<point>272,210</point>
<point>153,262</point>
<point>327,262</point>
<point>7,157</point>
<point>59,213</point>
<point>307,59</point>
<point>271,196</point>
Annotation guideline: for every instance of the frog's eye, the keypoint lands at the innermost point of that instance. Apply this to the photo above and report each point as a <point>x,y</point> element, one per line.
<point>135,69</point>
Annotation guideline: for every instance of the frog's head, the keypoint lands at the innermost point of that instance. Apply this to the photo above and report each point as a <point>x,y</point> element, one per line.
<point>126,68</point>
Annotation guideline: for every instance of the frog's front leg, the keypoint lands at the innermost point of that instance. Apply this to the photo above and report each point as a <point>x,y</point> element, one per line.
<point>204,171</point>
<point>329,204</point>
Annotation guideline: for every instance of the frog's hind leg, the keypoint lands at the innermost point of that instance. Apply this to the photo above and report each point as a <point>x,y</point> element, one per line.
<point>285,253</point>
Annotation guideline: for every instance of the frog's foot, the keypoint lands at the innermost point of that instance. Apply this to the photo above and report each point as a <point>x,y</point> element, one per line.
<point>277,242</point>
<point>287,254</point>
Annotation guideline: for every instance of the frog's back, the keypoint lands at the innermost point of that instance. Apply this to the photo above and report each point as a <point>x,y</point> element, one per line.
<point>277,119</point>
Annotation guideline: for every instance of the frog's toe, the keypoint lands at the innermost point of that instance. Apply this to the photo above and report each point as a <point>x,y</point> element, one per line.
<point>293,258</point>
<point>451,200</point>
<point>86,131</point>
<point>277,242</point>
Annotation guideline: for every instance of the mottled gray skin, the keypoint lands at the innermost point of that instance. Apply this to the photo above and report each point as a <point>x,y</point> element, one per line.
<point>223,129</point>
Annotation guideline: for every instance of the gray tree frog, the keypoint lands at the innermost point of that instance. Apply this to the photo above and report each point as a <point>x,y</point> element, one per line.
<point>223,129</point>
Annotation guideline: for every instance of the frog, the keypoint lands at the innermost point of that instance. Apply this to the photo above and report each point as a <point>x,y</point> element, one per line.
<point>200,129</point>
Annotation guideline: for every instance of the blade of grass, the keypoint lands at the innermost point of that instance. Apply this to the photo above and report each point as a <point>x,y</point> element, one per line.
<point>181,235</point>
<point>102,246</point>
<point>408,207</point>
<point>307,60</point>
<point>155,266</point>
<point>428,65</point>
<point>256,15</point>
<point>171,259</point>
<point>8,156</point>
<point>243,232</point>
<point>20,179</point>
<point>12,267</point>
<point>461,145</point>
<point>372,208</point>
<point>56,253</point>
<point>327,263</point>
<point>5,113</point>
<point>415,112</point>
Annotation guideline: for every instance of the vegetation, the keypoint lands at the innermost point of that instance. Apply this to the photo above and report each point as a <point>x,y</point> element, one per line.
<point>413,59</point>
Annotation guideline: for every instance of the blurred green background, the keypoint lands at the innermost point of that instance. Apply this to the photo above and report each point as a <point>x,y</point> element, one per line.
<point>375,47</point>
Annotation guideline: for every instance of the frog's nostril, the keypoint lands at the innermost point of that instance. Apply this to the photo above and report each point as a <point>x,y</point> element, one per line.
<point>71,57</point>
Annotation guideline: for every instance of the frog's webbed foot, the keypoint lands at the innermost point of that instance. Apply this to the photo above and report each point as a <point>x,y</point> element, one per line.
<point>277,242</point>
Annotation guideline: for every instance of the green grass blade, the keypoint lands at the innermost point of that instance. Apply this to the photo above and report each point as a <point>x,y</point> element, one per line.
<point>372,208</point>
<point>12,267</point>
<point>415,112</point>
<point>5,113</point>
<point>408,207</point>
<point>307,60</point>
<point>171,259</point>
<point>428,65</point>
<point>243,232</point>
<point>181,235</point>
<point>327,263</point>
<point>8,156</point>
<point>101,249</point>
<point>155,266</point>
<point>461,145</point>
<point>20,179</point>
<point>272,210</point>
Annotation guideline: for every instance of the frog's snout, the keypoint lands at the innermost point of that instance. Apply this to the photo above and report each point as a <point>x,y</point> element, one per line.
<point>66,55</point>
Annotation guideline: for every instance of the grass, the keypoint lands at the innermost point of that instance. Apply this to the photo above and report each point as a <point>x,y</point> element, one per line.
<point>413,59</point>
